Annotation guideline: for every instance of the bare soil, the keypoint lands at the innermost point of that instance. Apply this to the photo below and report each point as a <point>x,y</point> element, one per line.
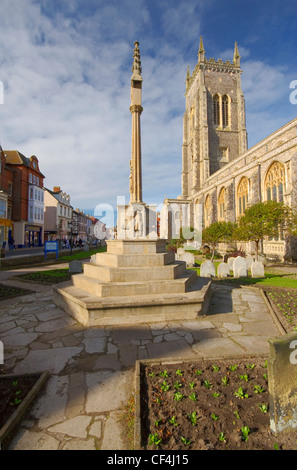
<point>12,393</point>
<point>208,405</point>
<point>284,304</point>
<point>11,291</point>
<point>46,277</point>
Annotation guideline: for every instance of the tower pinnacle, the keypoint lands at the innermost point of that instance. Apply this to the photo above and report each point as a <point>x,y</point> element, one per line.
<point>201,52</point>
<point>236,57</point>
<point>136,67</point>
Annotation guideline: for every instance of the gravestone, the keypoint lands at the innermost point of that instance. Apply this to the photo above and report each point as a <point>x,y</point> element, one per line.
<point>86,247</point>
<point>75,267</point>
<point>249,261</point>
<point>257,269</point>
<point>239,262</point>
<point>183,255</point>
<point>223,270</point>
<point>282,373</point>
<point>263,259</point>
<point>230,262</point>
<point>242,271</point>
<point>207,269</point>
<point>180,251</point>
<point>189,258</point>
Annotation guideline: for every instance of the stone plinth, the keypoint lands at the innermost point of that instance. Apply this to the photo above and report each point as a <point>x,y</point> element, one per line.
<point>135,281</point>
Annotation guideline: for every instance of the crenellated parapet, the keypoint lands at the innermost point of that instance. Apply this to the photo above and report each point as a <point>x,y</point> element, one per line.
<point>213,65</point>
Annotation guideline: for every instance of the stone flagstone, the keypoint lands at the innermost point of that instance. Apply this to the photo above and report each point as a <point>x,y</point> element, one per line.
<point>76,427</point>
<point>52,360</point>
<point>107,390</point>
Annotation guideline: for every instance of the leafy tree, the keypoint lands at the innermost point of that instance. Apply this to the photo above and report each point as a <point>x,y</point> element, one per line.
<point>293,223</point>
<point>216,233</point>
<point>263,219</point>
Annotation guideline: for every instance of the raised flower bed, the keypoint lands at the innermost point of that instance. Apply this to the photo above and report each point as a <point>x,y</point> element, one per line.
<point>17,393</point>
<point>218,404</point>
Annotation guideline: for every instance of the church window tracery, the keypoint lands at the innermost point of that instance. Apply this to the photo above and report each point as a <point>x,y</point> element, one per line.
<point>221,111</point>
<point>275,182</point>
<point>274,186</point>
<point>242,196</point>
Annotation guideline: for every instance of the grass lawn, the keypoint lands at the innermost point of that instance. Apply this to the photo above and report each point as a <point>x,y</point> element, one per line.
<point>82,254</point>
<point>280,289</point>
<point>271,279</point>
<point>46,277</point>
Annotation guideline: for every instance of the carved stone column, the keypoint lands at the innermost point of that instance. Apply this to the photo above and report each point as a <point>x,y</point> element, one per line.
<point>136,110</point>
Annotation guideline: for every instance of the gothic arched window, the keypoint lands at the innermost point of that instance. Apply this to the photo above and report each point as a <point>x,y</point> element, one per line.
<point>207,211</point>
<point>242,196</point>
<point>274,187</point>
<point>225,111</point>
<point>216,110</point>
<point>275,182</point>
<point>221,205</point>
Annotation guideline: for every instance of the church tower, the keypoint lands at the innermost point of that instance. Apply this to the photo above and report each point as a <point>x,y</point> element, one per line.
<point>214,128</point>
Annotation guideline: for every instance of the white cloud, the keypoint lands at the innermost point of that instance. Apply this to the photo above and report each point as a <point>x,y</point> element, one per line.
<point>263,83</point>
<point>67,101</point>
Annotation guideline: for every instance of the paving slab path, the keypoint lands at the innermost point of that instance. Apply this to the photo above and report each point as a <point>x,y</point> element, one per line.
<point>91,370</point>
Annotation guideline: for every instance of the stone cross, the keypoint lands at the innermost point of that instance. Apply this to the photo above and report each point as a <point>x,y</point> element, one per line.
<point>136,110</point>
<point>136,220</point>
<point>282,380</point>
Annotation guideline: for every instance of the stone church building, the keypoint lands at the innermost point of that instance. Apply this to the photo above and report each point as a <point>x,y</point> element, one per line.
<point>220,175</point>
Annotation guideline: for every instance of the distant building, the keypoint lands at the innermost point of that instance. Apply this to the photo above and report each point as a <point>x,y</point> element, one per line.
<point>27,198</point>
<point>6,188</point>
<point>57,214</point>
<point>82,227</point>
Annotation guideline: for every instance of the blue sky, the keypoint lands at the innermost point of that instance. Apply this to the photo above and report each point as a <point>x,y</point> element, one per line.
<point>66,66</point>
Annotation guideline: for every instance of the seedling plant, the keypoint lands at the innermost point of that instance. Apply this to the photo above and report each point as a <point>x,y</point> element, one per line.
<point>219,396</point>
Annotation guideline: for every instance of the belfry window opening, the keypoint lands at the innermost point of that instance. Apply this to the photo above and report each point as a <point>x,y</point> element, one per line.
<point>221,116</point>
<point>216,110</point>
<point>225,111</point>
